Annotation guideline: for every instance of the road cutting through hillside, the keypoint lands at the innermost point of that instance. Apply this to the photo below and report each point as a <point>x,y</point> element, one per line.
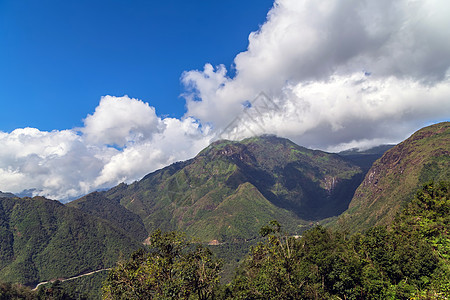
<point>71,278</point>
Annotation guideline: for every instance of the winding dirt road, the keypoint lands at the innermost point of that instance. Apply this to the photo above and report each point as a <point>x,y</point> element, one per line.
<point>71,278</point>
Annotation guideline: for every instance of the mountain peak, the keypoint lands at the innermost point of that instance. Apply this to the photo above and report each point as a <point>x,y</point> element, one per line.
<point>288,181</point>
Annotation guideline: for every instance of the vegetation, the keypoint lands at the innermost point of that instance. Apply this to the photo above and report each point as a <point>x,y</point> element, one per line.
<point>15,291</point>
<point>87,287</point>
<point>170,270</point>
<point>408,260</point>
<point>42,239</point>
<point>393,248</point>
<point>108,209</point>
<point>231,189</point>
<point>393,179</point>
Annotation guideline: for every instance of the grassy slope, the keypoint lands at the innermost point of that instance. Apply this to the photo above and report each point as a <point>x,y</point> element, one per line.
<point>394,178</point>
<point>240,217</point>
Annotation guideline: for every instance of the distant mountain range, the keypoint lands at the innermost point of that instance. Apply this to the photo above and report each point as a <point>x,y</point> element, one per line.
<point>7,195</point>
<point>223,195</point>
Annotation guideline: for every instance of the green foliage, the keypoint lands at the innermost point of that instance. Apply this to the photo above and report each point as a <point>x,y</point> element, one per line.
<point>54,292</point>
<point>315,266</point>
<point>232,255</point>
<point>427,218</point>
<point>87,287</point>
<point>10,291</point>
<point>45,240</point>
<point>428,215</point>
<point>409,260</point>
<point>170,270</point>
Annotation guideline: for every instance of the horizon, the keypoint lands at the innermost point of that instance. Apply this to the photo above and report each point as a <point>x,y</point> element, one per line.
<point>97,93</point>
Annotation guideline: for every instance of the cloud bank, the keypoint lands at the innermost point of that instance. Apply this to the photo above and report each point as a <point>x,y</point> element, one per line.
<point>121,141</point>
<point>334,75</point>
<point>345,73</point>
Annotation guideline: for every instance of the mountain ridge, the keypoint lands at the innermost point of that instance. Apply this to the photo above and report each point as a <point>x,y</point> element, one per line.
<point>299,184</point>
<point>43,239</point>
<point>394,178</point>
<point>225,194</point>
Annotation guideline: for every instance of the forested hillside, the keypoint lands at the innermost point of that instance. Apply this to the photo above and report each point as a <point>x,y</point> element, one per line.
<point>42,239</point>
<point>97,204</point>
<point>410,260</point>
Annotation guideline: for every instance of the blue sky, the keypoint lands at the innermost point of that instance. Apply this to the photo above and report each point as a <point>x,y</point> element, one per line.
<point>57,58</point>
<point>94,93</point>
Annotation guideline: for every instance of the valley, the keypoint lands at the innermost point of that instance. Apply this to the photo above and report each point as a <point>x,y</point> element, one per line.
<point>221,197</point>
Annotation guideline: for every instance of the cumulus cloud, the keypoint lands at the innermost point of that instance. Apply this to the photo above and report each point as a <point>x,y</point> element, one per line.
<point>120,120</point>
<point>121,142</point>
<point>335,75</point>
<point>342,73</point>
<point>58,164</point>
<point>181,140</point>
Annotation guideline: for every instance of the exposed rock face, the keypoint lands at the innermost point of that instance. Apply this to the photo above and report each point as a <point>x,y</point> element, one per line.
<point>395,177</point>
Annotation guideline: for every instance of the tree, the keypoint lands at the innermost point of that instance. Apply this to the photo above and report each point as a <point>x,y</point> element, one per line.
<point>172,269</point>
<point>54,292</point>
<point>427,219</point>
<point>314,266</point>
<point>15,291</point>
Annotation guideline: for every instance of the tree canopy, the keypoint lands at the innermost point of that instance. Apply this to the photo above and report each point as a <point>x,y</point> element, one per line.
<point>171,269</point>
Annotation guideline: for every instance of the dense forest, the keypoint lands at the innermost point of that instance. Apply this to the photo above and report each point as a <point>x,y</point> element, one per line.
<point>407,260</point>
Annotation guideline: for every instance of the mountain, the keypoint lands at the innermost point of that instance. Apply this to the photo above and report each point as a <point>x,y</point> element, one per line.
<point>6,195</point>
<point>231,189</point>
<point>395,177</point>
<point>42,239</point>
<point>365,158</point>
<point>98,205</point>
<point>28,193</point>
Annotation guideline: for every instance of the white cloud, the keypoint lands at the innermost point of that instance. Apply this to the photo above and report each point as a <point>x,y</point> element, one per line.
<point>120,120</point>
<point>181,140</point>
<point>352,108</point>
<point>339,74</point>
<point>68,163</point>
<point>313,59</point>
<point>55,163</point>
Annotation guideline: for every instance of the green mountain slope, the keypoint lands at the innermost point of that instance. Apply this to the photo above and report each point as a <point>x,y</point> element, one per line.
<point>394,178</point>
<point>97,204</point>
<point>230,188</point>
<point>42,239</point>
<point>241,215</point>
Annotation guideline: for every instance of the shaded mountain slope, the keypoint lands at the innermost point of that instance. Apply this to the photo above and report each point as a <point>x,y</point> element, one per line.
<point>42,239</point>
<point>217,194</point>
<point>394,178</point>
